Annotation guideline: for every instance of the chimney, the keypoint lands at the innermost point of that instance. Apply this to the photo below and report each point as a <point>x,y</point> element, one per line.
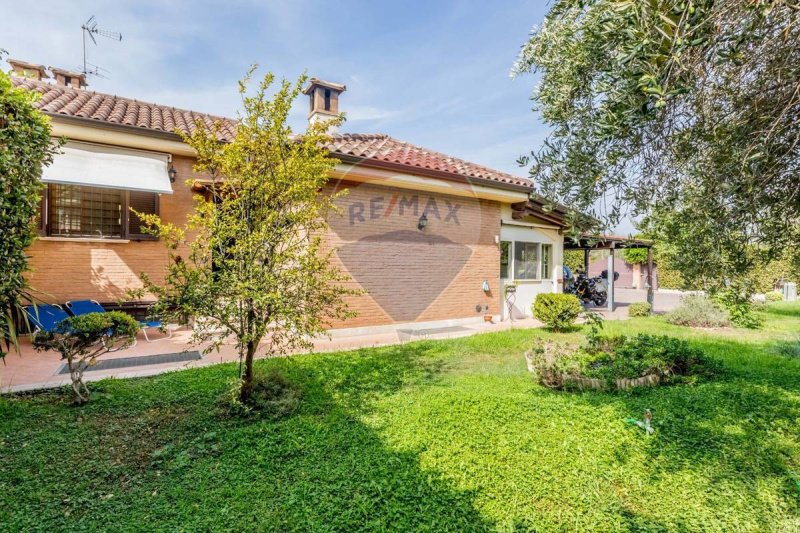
<point>68,78</point>
<point>23,69</point>
<point>324,99</point>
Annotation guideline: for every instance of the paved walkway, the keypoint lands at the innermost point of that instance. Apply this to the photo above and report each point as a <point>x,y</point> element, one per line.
<point>32,370</point>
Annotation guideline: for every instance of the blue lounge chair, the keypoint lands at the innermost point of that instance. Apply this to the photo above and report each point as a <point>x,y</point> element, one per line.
<point>45,317</point>
<point>83,307</point>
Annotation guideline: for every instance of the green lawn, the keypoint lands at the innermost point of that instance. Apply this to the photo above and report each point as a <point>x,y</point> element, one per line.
<point>435,435</point>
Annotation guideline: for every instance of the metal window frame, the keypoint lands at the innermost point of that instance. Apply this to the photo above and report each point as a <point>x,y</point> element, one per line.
<point>125,234</point>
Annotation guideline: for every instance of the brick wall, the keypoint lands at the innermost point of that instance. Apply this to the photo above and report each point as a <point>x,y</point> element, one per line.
<point>408,274</point>
<point>67,269</point>
<point>413,275</point>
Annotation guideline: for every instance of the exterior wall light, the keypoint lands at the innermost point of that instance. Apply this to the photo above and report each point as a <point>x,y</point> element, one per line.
<point>485,285</point>
<point>423,221</point>
<point>173,174</point>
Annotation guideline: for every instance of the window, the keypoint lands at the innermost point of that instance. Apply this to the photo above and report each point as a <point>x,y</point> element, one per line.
<point>526,260</point>
<point>327,99</point>
<point>505,259</point>
<point>547,255</point>
<point>96,212</point>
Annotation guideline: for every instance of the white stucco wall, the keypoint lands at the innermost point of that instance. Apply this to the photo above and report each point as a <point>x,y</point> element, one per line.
<point>528,231</point>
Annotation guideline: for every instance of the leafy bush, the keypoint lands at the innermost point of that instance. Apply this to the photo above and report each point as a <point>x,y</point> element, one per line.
<point>557,311</point>
<point>736,298</point>
<point>667,359</point>
<point>25,148</point>
<point>646,354</point>
<point>774,296</point>
<point>82,339</point>
<point>639,309</point>
<point>698,311</point>
<point>635,256</point>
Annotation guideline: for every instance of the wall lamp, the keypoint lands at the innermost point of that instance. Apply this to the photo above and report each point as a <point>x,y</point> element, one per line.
<point>173,174</point>
<point>423,221</point>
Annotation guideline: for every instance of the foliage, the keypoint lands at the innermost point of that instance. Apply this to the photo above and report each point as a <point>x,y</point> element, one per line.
<point>635,256</point>
<point>788,348</point>
<point>25,148</point>
<point>639,309</point>
<point>685,112</point>
<point>774,296</point>
<point>698,311</point>
<point>770,273</point>
<point>82,339</point>
<point>557,311</point>
<point>611,358</point>
<point>448,423</point>
<point>573,259</point>
<point>250,264</point>
<point>736,299</point>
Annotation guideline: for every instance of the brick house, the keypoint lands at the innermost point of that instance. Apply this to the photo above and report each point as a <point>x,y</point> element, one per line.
<point>430,238</point>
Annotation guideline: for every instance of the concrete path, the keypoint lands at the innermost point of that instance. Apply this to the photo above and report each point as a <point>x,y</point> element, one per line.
<point>31,370</point>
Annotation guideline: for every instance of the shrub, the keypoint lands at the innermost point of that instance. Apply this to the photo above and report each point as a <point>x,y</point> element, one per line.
<point>25,148</point>
<point>557,311</point>
<point>698,311</point>
<point>737,300</point>
<point>774,296</point>
<point>82,339</point>
<point>657,358</point>
<point>639,309</point>
<point>635,256</point>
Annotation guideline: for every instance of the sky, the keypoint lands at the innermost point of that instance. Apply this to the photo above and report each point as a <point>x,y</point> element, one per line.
<point>435,73</point>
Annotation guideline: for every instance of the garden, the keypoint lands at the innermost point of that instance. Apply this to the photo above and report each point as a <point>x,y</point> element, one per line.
<point>430,435</point>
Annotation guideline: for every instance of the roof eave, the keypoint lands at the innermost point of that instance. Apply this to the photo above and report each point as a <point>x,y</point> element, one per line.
<point>111,126</point>
<point>432,173</point>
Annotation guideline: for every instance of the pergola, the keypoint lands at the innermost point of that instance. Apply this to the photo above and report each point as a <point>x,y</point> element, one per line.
<point>611,243</point>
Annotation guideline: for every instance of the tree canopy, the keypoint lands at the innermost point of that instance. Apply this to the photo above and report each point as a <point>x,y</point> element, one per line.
<point>686,112</point>
<point>251,264</point>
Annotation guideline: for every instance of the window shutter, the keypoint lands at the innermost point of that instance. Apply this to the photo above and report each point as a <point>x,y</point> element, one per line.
<point>142,202</point>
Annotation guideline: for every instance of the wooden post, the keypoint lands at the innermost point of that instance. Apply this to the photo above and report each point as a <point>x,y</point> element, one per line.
<point>650,277</point>
<point>611,280</point>
<point>586,261</point>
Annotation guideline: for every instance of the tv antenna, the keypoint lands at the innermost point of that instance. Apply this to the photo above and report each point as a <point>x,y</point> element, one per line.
<point>90,28</point>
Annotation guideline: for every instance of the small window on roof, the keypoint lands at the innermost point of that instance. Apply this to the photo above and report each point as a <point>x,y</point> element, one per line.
<point>327,99</point>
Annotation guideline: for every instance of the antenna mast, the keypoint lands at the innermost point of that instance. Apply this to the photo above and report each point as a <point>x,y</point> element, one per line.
<point>90,28</point>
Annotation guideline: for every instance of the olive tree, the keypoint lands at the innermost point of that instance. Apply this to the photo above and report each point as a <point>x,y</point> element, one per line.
<point>250,264</point>
<point>684,111</point>
<point>25,148</point>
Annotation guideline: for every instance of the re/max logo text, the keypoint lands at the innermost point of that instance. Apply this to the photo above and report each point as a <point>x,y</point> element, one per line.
<point>378,207</point>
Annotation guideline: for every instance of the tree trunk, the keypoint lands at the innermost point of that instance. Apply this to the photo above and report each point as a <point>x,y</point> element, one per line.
<point>247,378</point>
<point>78,387</point>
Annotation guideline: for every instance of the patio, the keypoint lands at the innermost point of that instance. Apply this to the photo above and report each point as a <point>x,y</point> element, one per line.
<point>32,370</point>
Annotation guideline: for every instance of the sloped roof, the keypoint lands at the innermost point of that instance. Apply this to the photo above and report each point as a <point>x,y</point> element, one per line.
<point>367,149</point>
<point>59,100</point>
<point>383,148</point>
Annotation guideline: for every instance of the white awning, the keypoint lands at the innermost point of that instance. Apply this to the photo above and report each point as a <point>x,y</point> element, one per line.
<point>108,166</point>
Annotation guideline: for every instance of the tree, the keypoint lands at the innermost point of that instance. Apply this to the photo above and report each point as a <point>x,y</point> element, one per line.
<point>686,111</point>
<point>82,339</point>
<point>25,149</point>
<point>251,263</point>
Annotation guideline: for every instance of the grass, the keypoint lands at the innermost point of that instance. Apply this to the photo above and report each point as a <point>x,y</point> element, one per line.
<point>434,435</point>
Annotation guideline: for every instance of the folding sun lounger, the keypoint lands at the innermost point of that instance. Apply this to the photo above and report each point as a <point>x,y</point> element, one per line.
<point>45,317</point>
<point>82,307</point>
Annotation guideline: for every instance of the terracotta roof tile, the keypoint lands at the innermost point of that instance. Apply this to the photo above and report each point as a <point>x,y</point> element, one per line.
<point>378,148</point>
<point>383,148</point>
